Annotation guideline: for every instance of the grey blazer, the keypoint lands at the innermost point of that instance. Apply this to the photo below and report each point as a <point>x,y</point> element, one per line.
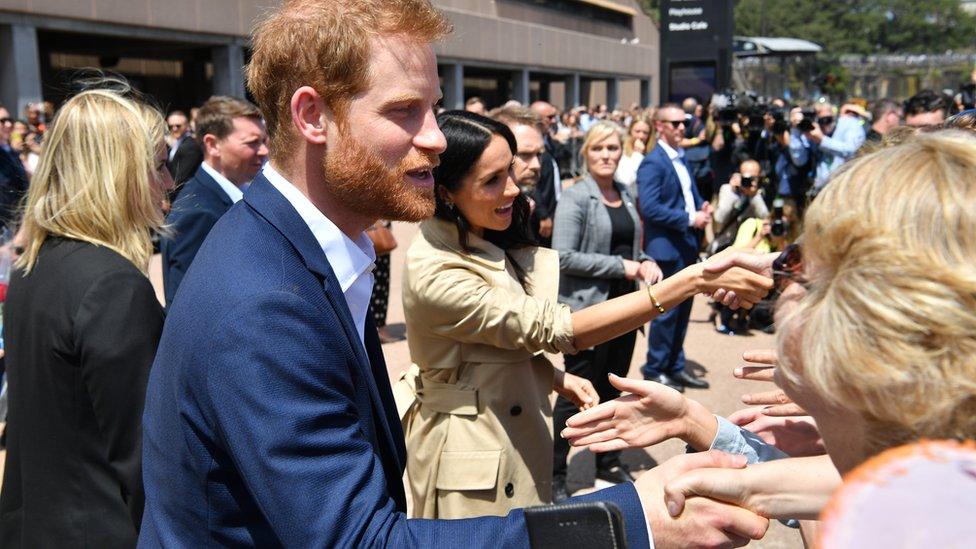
<point>581,234</point>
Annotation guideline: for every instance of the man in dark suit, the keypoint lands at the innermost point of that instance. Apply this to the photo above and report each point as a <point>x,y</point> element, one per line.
<point>235,147</point>
<point>674,217</point>
<point>269,419</point>
<point>13,177</point>
<point>549,187</point>
<point>185,154</point>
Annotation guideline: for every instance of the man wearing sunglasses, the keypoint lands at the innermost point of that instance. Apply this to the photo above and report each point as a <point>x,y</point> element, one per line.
<point>674,216</point>
<point>185,154</point>
<point>837,146</point>
<point>13,177</point>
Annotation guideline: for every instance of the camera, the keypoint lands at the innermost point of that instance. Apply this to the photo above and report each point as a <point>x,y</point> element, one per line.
<point>780,225</point>
<point>748,181</point>
<point>806,124</point>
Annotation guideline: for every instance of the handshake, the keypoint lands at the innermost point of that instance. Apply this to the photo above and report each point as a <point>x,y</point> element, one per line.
<point>710,498</point>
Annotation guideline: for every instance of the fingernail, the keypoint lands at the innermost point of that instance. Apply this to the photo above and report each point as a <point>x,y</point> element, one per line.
<point>672,508</point>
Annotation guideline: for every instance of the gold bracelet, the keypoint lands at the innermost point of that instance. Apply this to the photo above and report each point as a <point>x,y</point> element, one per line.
<point>654,301</point>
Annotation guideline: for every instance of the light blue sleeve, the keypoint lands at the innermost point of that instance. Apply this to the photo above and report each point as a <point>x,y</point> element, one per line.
<point>733,439</point>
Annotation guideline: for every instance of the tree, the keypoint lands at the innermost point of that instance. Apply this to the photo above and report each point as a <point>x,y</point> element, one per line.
<point>861,26</point>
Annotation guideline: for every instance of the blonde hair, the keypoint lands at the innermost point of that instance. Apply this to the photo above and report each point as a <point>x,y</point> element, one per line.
<point>325,44</point>
<point>629,141</point>
<point>888,327</point>
<point>598,132</point>
<point>95,176</point>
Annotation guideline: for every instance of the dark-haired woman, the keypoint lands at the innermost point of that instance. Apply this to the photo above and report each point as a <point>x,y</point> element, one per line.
<point>481,307</point>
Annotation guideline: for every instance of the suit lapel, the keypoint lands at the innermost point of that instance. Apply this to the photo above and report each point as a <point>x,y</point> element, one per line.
<point>270,204</point>
<point>211,184</point>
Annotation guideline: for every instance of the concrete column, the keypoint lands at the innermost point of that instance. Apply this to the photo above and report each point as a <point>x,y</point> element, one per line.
<point>20,68</point>
<point>645,92</point>
<point>228,77</point>
<point>453,86</point>
<point>613,93</point>
<point>584,91</point>
<point>572,91</point>
<point>520,86</point>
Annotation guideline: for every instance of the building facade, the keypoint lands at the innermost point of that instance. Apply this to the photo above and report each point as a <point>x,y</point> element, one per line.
<point>569,52</point>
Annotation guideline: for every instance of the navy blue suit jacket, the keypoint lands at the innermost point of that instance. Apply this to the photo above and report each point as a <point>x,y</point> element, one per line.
<point>667,236</point>
<point>266,422</point>
<point>197,208</point>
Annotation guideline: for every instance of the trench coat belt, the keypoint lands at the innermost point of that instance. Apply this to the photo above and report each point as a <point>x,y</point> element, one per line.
<point>444,398</point>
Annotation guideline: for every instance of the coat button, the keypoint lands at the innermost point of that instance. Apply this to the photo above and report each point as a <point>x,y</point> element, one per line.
<point>516,410</point>
<point>509,489</point>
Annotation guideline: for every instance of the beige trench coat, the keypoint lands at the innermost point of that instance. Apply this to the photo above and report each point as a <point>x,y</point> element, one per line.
<point>475,404</point>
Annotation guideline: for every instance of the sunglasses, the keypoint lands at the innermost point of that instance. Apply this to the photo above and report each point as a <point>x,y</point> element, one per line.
<point>788,267</point>
<point>6,120</point>
<point>175,126</point>
<point>675,123</point>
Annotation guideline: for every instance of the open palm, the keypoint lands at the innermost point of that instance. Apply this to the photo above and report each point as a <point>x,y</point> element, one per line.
<point>650,414</point>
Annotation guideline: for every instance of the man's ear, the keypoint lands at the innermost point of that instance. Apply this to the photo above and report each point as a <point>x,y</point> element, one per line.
<point>210,145</point>
<point>309,115</point>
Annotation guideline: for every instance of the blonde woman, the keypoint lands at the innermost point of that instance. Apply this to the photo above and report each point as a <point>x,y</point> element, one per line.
<point>640,139</point>
<point>81,325</point>
<point>597,233</point>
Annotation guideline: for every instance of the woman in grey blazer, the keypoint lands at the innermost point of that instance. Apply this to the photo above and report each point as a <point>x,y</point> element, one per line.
<point>597,234</point>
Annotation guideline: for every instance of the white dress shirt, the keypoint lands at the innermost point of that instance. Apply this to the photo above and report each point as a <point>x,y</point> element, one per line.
<point>684,177</point>
<point>351,260</point>
<point>231,190</point>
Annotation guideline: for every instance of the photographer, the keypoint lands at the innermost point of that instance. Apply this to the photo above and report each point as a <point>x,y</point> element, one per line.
<point>763,234</point>
<point>836,144</point>
<point>795,162</point>
<point>741,198</point>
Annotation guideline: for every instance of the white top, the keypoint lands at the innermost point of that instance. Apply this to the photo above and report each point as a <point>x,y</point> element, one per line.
<point>351,260</point>
<point>230,189</point>
<point>626,173</point>
<point>684,177</point>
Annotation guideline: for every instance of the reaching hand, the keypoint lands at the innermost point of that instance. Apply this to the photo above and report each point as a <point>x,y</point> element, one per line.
<point>797,436</point>
<point>703,522</point>
<point>777,402</point>
<point>650,414</point>
<point>578,390</point>
<point>786,488</point>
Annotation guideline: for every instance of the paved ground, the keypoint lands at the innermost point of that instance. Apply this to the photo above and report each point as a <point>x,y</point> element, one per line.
<point>709,354</point>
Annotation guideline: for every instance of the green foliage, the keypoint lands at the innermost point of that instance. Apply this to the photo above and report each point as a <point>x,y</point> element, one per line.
<point>861,26</point>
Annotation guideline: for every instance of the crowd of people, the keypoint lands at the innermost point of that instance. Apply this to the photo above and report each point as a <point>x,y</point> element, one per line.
<point>253,407</point>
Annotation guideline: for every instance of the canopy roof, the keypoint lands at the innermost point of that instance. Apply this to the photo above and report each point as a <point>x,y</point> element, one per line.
<point>760,46</point>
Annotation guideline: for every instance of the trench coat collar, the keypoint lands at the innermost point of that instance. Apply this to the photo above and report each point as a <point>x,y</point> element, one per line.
<point>445,234</point>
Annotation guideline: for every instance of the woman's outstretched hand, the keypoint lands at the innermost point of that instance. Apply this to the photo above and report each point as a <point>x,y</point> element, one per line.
<point>650,414</point>
<point>578,390</point>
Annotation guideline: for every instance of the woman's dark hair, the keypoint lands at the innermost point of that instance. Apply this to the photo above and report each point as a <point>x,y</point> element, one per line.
<point>468,135</point>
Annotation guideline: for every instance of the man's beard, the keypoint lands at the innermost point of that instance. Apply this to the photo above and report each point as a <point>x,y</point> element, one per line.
<point>361,182</point>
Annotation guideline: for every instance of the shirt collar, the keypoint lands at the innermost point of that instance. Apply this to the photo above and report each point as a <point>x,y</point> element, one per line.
<point>230,189</point>
<point>350,259</point>
<point>672,153</point>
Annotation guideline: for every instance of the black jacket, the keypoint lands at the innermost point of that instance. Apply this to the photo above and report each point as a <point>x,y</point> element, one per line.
<point>186,160</point>
<point>81,332</point>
